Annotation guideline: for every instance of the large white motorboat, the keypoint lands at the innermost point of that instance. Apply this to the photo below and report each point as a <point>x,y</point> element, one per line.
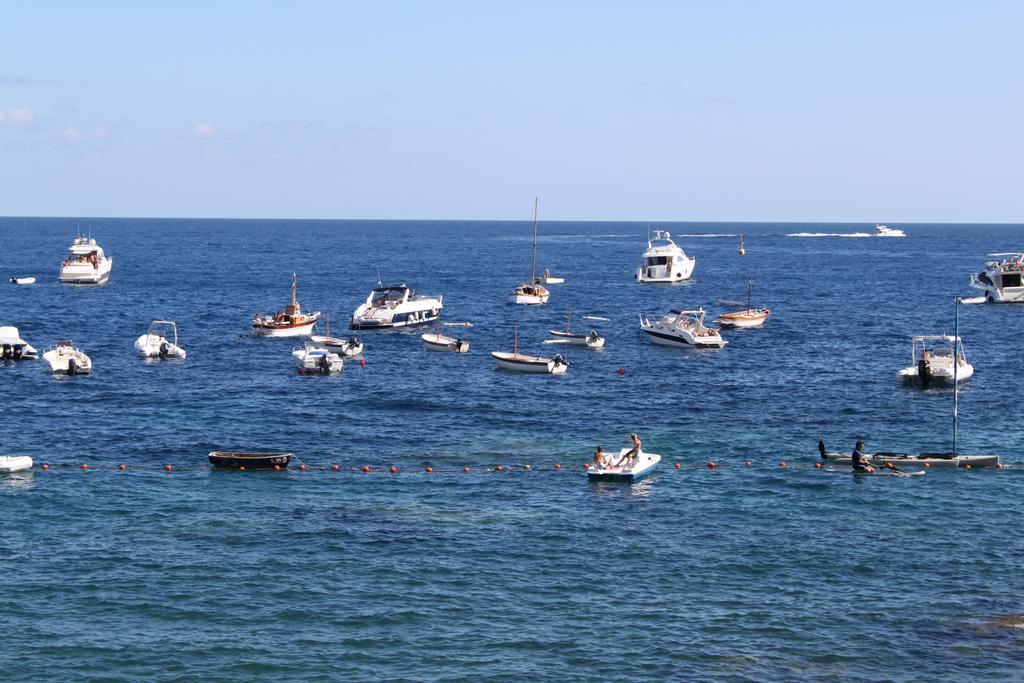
<point>343,347</point>
<point>531,293</point>
<point>632,470</point>
<point>291,322</point>
<point>932,357</point>
<point>664,261</point>
<point>1002,281</point>
<point>13,347</point>
<point>886,231</point>
<point>395,306</point>
<point>517,362</point>
<point>161,341</point>
<point>591,340</point>
<point>313,359</point>
<point>65,359</point>
<point>86,263</point>
<point>747,317</point>
<point>682,328</point>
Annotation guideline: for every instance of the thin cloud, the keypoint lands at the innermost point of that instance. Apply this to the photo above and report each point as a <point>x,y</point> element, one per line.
<point>11,79</point>
<point>76,135</point>
<point>203,130</point>
<point>719,101</point>
<point>16,116</point>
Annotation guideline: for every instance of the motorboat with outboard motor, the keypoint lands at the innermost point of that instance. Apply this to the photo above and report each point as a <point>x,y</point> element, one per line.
<point>291,322</point>
<point>157,343</point>
<point>884,458</point>
<point>86,264</point>
<point>343,347</point>
<point>682,328</point>
<point>313,359</point>
<point>548,279</point>
<point>390,306</point>
<point>435,341</point>
<point>886,231</point>
<point>23,280</point>
<point>531,293</point>
<point>664,261</point>
<point>14,463</point>
<point>63,358</point>
<point>631,470</point>
<point>517,362</point>
<point>1002,281</point>
<point>932,358</point>
<point>748,317</point>
<point>236,460</point>
<point>591,340</point>
<point>13,347</point>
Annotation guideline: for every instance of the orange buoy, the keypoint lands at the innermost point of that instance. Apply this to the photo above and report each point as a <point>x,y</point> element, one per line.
<point>122,466</point>
<point>45,466</point>
<point>364,468</point>
<point>302,467</point>
<point>711,465</point>
<point>241,468</point>
<point>168,468</point>
<point>362,362</point>
<point>817,465</point>
<point>748,463</point>
<point>465,469</point>
<point>277,468</point>
<point>967,466</point>
<point>678,466</point>
<point>926,464</point>
<point>84,466</point>
<point>500,468</point>
<point>394,470</point>
<point>429,468</point>
<point>526,467</point>
<point>782,463</point>
<point>558,466</point>
<point>335,467</point>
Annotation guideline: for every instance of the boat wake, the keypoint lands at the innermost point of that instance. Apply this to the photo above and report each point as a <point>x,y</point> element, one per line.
<point>829,234</point>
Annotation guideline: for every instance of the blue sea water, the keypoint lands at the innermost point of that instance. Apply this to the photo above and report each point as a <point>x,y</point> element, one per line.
<point>744,573</point>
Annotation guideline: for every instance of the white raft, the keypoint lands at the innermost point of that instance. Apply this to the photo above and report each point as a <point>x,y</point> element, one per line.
<point>14,463</point>
<point>630,471</point>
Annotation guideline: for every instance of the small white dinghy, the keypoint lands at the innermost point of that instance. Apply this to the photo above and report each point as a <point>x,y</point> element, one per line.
<point>14,463</point>
<point>343,347</point>
<point>631,470</point>
<point>591,340</point>
<point>435,341</point>
<point>547,279</point>
<point>157,344</point>
<point>23,280</point>
<point>517,362</point>
<point>13,347</point>
<point>317,360</point>
<point>64,359</point>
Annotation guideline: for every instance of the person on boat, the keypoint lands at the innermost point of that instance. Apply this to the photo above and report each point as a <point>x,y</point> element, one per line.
<point>857,460</point>
<point>924,369</point>
<point>633,454</point>
<point>601,459</point>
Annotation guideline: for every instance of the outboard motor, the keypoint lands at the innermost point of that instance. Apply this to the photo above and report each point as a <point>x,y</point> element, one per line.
<point>16,352</point>
<point>324,364</point>
<point>164,349</point>
<point>924,373</point>
<point>559,359</point>
<point>72,367</point>
<point>7,352</point>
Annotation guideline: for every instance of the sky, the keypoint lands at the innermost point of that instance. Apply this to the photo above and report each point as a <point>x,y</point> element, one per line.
<point>684,111</point>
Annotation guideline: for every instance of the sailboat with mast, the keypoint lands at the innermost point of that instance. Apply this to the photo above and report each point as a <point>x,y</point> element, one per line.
<point>592,340</point>
<point>748,317</point>
<point>344,347</point>
<point>952,458</point>
<point>517,362</point>
<point>531,293</point>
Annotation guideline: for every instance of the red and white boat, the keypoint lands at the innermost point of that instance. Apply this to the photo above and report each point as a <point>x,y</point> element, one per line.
<point>291,322</point>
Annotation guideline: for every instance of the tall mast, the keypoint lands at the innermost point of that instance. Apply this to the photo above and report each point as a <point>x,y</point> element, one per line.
<point>748,294</point>
<point>569,320</point>
<point>515,340</point>
<point>956,366</point>
<point>533,253</point>
<point>294,303</point>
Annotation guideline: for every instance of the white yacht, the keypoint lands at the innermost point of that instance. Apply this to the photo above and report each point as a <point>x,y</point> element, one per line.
<point>932,357</point>
<point>533,293</point>
<point>886,231</point>
<point>682,328</point>
<point>291,322</point>
<point>395,306</point>
<point>13,347</point>
<point>313,359</point>
<point>86,264</point>
<point>161,341</point>
<point>664,261</point>
<point>1001,281</point>
<point>65,359</point>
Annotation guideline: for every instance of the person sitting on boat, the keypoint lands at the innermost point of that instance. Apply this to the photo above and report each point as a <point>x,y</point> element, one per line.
<point>633,454</point>
<point>601,459</point>
<point>857,460</point>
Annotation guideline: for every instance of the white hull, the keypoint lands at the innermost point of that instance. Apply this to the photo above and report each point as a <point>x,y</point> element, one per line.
<point>941,375</point>
<point>313,360</point>
<point>292,331</point>
<point>590,341</point>
<point>343,347</point>
<point>929,459</point>
<point>23,280</point>
<point>742,319</point>
<point>666,334</point>
<point>679,271</point>
<point>532,364</point>
<point>13,347</point>
<point>67,361</point>
<point>86,274</point>
<point>996,295</point>
<point>644,465</point>
<point>14,463</point>
<point>528,299</point>
<point>157,346</point>
<point>441,343</point>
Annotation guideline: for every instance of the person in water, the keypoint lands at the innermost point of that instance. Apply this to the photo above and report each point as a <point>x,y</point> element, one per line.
<point>860,464</point>
<point>601,460</point>
<point>633,454</point>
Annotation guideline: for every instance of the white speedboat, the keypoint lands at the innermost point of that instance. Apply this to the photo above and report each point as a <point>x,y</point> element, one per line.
<point>932,357</point>
<point>14,463</point>
<point>1001,281</point>
<point>156,343</point>
<point>548,279</point>
<point>748,317</point>
<point>13,347</point>
<point>313,359</point>
<point>664,261</point>
<point>886,231</point>
<point>23,280</point>
<point>65,359</point>
<point>531,293</point>
<point>682,328</point>
<point>86,264</point>
<point>395,306</point>
<point>343,347</point>
<point>591,340</point>
<point>517,362</point>
<point>632,470</point>
<point>291,322</point>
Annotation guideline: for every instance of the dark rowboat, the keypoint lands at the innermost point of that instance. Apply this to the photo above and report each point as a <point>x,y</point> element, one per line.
<point>249,460</point>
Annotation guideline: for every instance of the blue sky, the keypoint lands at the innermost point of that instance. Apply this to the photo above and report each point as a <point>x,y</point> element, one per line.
<point>703,111</point>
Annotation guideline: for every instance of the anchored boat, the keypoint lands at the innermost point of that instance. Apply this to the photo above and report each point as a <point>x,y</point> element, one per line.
<point>13,347</point>
<point>1002,281</point>
<point>157,344</point>
<point>748,317</point>
<point>435,341</point>
<point>664,261</point>
<point>23,280</point>
<point>390,306</point>
<point>343,347</point>
<point>517,362</point>
<point>291,322</point>
<point>591,340</point>
<point>86,263</point>
<point>531,293</point>
<point>633,470</point>
<point>932,357</point>
<point>249,460</point>
<point>63,358</point>
<point>14,463</point>
<point>313,359</point>
<point>682,328</point>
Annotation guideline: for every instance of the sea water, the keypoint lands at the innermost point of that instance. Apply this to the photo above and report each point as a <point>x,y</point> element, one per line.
<point>741,572</point>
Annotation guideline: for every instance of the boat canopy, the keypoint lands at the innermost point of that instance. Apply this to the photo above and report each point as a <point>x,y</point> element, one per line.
<point>935,337</point>
<point>392,288</point>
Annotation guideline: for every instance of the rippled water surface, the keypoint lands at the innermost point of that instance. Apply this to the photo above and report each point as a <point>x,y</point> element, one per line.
<point>742,572</point>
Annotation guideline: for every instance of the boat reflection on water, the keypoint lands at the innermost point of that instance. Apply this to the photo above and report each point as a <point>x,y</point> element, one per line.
<point>638,489</point>
<point>17,480</point>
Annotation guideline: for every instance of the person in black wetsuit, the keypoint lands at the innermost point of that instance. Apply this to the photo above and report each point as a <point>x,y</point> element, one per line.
<point>858,461</point>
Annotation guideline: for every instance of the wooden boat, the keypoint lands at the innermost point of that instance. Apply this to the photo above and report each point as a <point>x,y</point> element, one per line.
<point>291,322</point>
<point>517,362</point>
<point>748,317</point>
<point>643,466</point>
<point>249,460</point>
<point>531,293</point>
<point>591,340</point>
